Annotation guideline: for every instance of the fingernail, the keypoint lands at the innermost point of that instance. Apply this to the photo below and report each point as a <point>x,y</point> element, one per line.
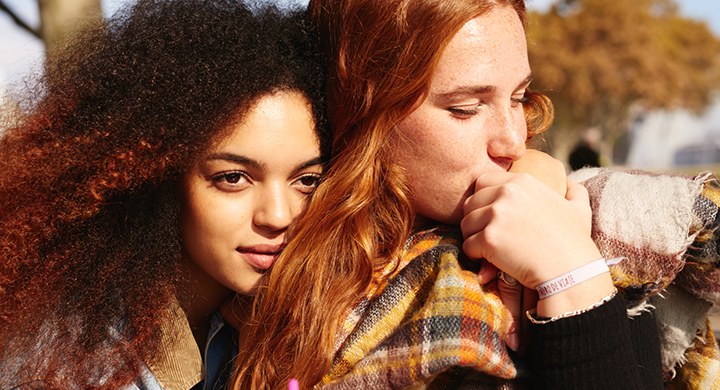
<point>513,341</point>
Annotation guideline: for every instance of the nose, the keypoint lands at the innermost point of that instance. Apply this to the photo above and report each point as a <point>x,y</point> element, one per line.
<point>508,135</point>
<point>274,209</point>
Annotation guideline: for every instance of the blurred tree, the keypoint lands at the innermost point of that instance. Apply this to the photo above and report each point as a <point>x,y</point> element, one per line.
<point>603,62</point>
<point>58,18</point>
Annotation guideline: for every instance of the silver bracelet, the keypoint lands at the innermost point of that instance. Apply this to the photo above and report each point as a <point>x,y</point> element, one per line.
<point>531,313</point>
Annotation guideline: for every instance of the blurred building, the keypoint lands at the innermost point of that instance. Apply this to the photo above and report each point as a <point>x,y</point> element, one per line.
<point>706,153</point>
<point>663,140</point>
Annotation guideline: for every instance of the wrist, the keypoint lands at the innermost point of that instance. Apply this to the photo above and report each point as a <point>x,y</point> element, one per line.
<point>564,262</point>
<point>576,276</point>
<point>532,314</point>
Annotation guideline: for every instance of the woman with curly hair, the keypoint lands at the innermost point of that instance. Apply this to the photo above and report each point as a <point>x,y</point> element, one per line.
<point>157,166</point>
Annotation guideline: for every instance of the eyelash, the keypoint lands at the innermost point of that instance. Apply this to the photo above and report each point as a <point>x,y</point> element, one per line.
<point>461,112</point>
<point>469,113</point>
<point>313,186</point>
<point>521,100</point>
<point>233,179</point>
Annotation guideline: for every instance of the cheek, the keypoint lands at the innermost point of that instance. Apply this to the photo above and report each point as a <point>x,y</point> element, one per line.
<point>420,152</point>
<point>413,144</point>
<point>433,152</point>
<point>438,140</point>
<point>191,220</point>
<point>441,158</point>
<point>211,220</point>
<point>202,218</point>
<point>420,130</point>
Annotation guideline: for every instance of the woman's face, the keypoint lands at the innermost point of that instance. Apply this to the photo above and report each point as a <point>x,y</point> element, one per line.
<point>241,198</point>
<point>472,121</point>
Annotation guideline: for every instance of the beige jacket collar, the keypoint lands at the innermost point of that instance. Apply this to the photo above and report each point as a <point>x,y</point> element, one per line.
<point>179,364</point>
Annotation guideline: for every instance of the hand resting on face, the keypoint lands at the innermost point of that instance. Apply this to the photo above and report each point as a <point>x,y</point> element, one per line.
<point>517,298</point>
<point>534,233</point>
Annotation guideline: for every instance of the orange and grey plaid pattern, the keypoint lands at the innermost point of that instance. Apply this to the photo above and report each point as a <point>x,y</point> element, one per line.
<point>430,316</point>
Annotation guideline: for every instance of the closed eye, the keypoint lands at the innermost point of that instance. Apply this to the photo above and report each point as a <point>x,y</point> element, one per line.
<point>521,99</point>
<point>463,113</point>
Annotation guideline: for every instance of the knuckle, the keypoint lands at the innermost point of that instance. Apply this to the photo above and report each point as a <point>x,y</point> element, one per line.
<point>466,225</point>
<point>490,239</point>
<point>506,190</point>
<point>524,176</point>
<point>468,205</point>
<point>583,190</point>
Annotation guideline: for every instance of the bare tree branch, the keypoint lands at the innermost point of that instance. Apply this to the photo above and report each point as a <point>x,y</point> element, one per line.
<point>18,21</point>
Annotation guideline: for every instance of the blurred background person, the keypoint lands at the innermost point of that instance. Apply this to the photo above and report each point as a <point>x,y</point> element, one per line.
<point>585,152</point>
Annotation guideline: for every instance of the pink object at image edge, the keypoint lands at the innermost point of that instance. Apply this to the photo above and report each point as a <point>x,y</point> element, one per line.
<point>293,384</point>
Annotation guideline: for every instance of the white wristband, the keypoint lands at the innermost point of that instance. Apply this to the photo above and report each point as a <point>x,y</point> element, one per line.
<point>576,276</point>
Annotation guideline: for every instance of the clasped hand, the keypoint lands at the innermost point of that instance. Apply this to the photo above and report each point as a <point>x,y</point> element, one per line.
<point>534,233</point>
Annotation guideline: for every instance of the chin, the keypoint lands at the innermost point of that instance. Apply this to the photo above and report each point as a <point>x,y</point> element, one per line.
<point>450,217</point>
<point>249,289</point>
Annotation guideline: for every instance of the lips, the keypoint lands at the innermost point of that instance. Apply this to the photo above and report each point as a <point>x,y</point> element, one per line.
<point>261,257</point>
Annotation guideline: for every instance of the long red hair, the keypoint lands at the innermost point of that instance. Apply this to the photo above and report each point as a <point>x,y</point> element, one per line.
<point>381,56</point>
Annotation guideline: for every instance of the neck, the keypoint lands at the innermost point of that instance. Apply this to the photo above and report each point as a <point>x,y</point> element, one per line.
<point>422,223</point>
<point>236,312</point>
<point>207,294</point>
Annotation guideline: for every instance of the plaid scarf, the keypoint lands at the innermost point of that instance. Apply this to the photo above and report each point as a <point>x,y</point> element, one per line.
<point>430,315</point>
<point>427,323</point>
<point>666,228</point>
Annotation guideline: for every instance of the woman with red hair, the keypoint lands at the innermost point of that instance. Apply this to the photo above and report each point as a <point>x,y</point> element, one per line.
<point>430,106</point>
<point>155,168</point>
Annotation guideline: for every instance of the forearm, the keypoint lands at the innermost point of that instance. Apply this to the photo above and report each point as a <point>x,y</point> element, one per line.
<point>599,349</point>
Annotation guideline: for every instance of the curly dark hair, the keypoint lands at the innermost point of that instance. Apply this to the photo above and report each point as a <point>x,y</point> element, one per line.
<point>90,257</point>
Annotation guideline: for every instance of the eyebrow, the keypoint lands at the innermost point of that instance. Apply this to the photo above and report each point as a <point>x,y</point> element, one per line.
<point>527,80</point>
<point>479,89</point>
<point>237,159</point>
<point>309,163</point>
<point>258,165</point>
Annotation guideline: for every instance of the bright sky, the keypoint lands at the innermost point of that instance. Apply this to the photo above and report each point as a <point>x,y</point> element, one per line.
<point>19,49</point>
